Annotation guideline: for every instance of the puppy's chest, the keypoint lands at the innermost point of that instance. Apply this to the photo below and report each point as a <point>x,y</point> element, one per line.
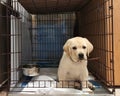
<point>74,72</point>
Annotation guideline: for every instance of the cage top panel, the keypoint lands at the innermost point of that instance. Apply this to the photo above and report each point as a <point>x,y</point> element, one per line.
<point>52,6</point>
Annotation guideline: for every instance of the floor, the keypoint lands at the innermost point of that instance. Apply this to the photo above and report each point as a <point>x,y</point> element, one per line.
<point>117,92</point>
<point>3,93</point>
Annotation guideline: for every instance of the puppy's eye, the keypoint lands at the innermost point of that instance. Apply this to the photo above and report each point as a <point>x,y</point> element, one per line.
<point>84,47</point>
<point>74,48</point>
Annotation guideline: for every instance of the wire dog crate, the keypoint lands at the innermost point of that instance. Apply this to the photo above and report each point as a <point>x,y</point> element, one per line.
<point>34,32</point>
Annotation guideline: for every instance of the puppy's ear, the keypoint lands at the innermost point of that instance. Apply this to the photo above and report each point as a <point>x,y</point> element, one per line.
<point>89,46</point>
<point>66,46</point>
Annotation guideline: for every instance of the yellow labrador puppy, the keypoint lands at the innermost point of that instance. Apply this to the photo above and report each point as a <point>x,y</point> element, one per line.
<point>73,64</point>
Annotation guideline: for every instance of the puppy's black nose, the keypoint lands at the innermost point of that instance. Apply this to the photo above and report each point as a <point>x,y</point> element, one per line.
<point>81,56</point>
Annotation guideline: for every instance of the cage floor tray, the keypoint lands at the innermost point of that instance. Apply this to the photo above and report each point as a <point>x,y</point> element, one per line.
<point>51,72</point>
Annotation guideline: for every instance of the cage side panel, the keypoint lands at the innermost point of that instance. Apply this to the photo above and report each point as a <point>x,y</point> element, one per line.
<point>117,41</point>
<point>20,39</point>
<point>3,45</point>
<point>96,25</point>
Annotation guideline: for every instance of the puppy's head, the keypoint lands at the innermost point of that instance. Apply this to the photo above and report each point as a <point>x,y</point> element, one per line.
<point>78,48</point>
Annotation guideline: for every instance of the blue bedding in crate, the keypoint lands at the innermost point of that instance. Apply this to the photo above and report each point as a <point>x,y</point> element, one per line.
<point>26,80</point>
<point>50,39</point>
<point>96,83</point>
<point>48,64</point>
<point>49,42</point>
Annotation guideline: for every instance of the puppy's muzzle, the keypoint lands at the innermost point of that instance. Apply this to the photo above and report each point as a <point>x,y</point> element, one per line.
<point>81,56</point>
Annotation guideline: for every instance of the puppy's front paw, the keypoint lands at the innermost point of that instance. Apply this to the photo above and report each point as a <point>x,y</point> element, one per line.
<point>91,86</point>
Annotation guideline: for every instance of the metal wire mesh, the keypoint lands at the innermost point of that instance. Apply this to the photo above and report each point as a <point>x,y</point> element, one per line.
<point>49,33</point>
<point>99,29</point>
<point>39,39</point>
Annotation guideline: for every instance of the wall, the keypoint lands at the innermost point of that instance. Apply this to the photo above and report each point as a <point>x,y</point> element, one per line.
<point>117,40</point>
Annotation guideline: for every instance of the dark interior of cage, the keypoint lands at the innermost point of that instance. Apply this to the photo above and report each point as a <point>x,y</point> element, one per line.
<point>40,39</point>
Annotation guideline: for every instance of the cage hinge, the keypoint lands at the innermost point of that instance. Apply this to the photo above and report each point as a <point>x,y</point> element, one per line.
<point>110,7</point>
<point>111,60</point>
